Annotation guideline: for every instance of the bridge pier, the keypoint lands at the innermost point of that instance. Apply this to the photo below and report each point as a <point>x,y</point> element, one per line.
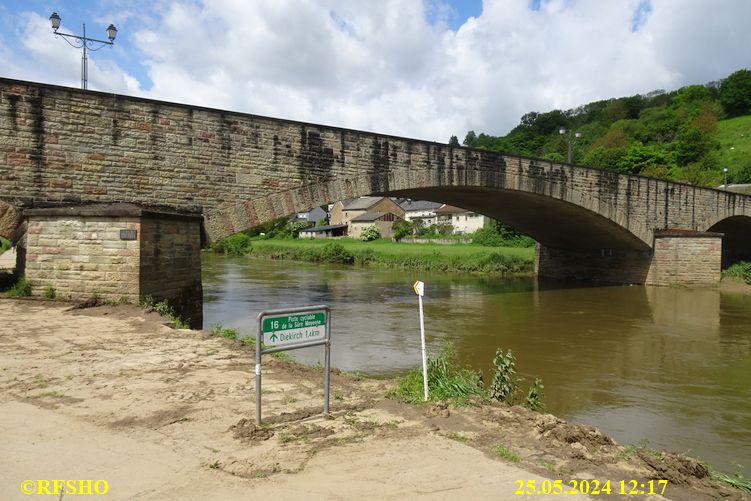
<point>116,252</point>
<point>679,257</point>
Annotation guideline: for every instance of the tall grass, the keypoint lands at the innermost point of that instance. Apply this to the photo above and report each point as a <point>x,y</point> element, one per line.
<point>447,380</point>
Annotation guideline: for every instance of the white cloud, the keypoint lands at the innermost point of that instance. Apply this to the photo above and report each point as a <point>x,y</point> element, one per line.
<point>382,66</point>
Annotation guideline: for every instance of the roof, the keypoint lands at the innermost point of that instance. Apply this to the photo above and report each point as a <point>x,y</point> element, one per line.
<point>449,209</point>
<point>329,227</point>
<point>362,203</point>
<point>372,216</point>
<point>409,205</point>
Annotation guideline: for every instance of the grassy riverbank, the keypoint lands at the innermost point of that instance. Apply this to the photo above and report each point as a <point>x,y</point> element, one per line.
<point>382,253</point>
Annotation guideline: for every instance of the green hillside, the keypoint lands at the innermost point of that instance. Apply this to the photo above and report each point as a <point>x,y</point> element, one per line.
<point>689,134</point>
<point>734,138</point>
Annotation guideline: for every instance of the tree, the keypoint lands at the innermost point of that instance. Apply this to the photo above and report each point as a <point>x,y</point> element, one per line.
<point>735,93</point>
<point>454,141</point>
<point>470,139</point>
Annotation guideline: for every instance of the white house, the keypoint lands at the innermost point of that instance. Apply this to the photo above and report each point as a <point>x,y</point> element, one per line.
<point>420,209</point>
<point>463,221</point>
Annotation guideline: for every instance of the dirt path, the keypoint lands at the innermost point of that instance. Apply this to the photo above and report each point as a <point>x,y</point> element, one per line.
<point>110,393</point>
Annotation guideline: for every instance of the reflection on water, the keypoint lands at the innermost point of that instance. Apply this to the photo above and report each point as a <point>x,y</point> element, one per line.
<point>669,365</point>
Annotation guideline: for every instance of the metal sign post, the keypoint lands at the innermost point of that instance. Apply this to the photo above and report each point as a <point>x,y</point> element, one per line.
<point>291,329</point>
<point>419,288</point>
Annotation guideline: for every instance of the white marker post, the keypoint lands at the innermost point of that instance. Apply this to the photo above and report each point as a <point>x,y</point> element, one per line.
<point>419,288</point>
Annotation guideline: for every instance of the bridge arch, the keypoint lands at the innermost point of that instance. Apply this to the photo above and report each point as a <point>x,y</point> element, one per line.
<point>541,207</point>
<point>736,242</point>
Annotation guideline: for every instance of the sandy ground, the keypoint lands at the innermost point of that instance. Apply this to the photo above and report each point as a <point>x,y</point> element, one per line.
<point>111,393</point>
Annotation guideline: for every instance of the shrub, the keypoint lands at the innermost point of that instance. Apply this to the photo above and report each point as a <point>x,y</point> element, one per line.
<point>334,252</point>
<point>740,270</point>
<point>401,229</point>
<point>4,245</point>
<point>49,292</point>
<point>238,244</point>
<point>370,233</point>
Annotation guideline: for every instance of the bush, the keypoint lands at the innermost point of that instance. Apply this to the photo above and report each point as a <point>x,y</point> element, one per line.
<point>334,252</point>
<point>49,292</point>
<point>4,245</point>
<point>401,229</point>
<point>370,233</point>
<point>22,288</point>
<point>235,245</point>
<point>740,270</point>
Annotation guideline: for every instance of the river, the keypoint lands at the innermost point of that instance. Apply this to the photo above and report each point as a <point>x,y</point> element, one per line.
<point>664,366</point>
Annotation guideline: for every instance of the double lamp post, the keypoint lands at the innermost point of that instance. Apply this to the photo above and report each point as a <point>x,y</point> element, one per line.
<point>83,42</point>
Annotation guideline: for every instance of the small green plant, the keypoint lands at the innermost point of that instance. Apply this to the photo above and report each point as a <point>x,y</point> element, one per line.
<point>505,453</point>
<point>282,355</point>
<point>49,292</point>
<point>548,466</point>
<point>22,288</point>
<point>248,340</point>
<point>459,437</point>
<point>447,380</point>
<point>534,396</point>
<point>505,383</point>
<point>218,330</point>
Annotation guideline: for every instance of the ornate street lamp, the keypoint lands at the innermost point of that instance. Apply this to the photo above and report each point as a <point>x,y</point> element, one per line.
<point>725,171</point>
<point>82,42</point>
<point>570,138</point>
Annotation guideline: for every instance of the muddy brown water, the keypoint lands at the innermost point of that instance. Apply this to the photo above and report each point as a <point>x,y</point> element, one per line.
<point>667,367</point>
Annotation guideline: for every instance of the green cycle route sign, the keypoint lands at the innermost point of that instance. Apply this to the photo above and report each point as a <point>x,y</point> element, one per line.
<point>292,329</point>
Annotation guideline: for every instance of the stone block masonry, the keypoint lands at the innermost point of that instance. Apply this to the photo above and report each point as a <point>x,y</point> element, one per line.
<point>679,258</point>
<point>118,253</point>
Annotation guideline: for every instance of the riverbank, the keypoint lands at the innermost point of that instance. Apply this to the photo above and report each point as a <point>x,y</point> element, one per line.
<point>111,393</point>
<point>466,258</point>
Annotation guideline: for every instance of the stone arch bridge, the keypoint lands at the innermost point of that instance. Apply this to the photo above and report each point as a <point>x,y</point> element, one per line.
<point>64,148</point>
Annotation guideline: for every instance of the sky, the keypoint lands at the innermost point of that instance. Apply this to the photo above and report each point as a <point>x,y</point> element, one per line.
<point>424,69</point>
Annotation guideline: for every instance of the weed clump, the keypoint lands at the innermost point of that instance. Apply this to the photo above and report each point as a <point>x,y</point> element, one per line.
<point>740,270</point>
<point>447,380</point>
<point>22,288</point>
<point>219,330</point>
<point>164,309</point>
<point>49,292</point>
